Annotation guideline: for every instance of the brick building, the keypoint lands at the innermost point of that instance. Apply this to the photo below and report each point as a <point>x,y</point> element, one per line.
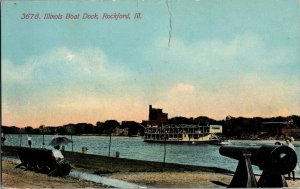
<point>156,117</point>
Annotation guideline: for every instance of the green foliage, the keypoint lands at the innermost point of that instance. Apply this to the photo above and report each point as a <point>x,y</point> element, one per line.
<point>133,127</point>
<point>109,126</point>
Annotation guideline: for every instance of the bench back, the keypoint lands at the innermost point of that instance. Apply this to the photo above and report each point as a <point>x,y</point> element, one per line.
<point>37,157</point>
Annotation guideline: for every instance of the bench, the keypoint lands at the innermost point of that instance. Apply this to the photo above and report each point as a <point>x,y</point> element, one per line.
<point>43,161</point>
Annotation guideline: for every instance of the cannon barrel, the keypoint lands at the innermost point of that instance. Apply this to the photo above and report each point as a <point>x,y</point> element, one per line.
<point>270,158</point>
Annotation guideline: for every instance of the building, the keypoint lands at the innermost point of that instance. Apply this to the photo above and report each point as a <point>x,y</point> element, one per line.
<point>286,128</point>
<point>273,128</point>
<point>156,117</point>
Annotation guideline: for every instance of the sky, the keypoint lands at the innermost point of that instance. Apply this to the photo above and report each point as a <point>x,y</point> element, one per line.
<point>191,58</point>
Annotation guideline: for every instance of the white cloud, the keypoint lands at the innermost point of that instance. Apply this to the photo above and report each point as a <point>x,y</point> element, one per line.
<point>240,77</point>
<point>183,88</point>
<point>243,52</point>
<point>213,78</point>
<point>247,97</point>
<point>52,83</point>
<point>12,73</point>
<point>70,56</point>
<point>84,61</point>
<point>62,66</point>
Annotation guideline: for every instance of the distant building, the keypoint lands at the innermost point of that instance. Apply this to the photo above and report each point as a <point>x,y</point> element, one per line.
<point>156,117</point>
<point>286,128</point>
<point>291,130</point>
<point>273,128</point>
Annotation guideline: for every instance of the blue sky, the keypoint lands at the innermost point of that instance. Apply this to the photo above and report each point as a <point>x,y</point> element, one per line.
<point>238,58</point>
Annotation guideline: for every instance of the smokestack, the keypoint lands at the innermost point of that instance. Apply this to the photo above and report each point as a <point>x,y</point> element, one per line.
<point>150,110</point>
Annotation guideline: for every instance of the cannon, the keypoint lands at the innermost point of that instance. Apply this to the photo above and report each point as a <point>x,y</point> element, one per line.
<point>274,161</point>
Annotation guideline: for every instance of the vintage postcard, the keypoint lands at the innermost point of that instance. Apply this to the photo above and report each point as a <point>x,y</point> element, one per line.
<point>150,94</point>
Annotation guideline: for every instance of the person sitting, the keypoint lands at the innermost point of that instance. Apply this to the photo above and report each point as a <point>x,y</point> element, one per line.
<point>57,153</point>
<point>64,166</point>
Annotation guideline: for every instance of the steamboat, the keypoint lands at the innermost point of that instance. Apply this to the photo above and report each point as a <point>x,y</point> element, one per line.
<point>183,134</point>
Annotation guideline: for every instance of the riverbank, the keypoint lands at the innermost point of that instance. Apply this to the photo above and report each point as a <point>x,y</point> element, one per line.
<point>19,178</point>
<point>97,164</point>
<point>144,173</point>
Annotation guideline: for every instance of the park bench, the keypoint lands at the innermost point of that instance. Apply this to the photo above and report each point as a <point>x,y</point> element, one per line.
<point>43,161</point>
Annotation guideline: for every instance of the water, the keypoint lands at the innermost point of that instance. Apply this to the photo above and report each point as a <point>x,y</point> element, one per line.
<point>136,148</point>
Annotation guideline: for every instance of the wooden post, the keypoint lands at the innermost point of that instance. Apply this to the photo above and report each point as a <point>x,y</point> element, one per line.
<point>43,136</point>
<point>72,142</point>
<point>20,139</point>
<point>109,145</point>
<point>165,150</point>
<point>21,133</point>
<point>43,140</point>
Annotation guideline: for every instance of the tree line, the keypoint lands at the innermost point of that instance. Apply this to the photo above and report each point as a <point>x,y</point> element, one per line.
<point>109,127</point>
<point>238,127</point>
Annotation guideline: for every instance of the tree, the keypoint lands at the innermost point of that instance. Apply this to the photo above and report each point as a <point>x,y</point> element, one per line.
<point>180,120</point>
<point>109,126</point>
<point>28,130</point>
<point>134,128</point>
<point>203,120</point>
<point>99,127</point>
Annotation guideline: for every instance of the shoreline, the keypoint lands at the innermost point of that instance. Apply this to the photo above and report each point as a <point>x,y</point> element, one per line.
<point>98,164</point>
<point>19,178</point>
<point>142,173</point>
<point>250,137</point>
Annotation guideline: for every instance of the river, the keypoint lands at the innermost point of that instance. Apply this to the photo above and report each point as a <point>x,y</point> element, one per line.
<point>136,148</point>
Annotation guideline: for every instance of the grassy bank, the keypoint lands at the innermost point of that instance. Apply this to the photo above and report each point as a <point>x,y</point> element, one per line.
<point>103,164</point>
<point>145,173</point>
<point>19,178</point>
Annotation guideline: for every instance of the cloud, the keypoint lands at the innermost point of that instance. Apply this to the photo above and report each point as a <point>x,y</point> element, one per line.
<point>61,64</point>
<point>239,77</point>
<point>70,56</point>
<point>244,51</point>
<point>64,61</point>
<point>183,88</point>
<point>65,68</point>
<point>12,73</point>
<point>248,97</point>
<point>64,82</point>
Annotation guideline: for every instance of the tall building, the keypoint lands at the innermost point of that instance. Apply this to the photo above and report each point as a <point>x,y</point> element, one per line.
<point>157,116</point>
